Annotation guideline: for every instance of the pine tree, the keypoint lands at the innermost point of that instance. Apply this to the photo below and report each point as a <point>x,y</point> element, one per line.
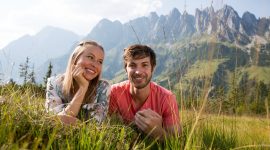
<point>31,76</point>
<point>24,69</point>
<point>48,74</point>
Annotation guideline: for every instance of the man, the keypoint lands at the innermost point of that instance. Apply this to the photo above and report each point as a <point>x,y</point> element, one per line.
<point>151,107</point>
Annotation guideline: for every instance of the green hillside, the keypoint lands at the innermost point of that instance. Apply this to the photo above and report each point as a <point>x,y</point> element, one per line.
<point>258,73</point>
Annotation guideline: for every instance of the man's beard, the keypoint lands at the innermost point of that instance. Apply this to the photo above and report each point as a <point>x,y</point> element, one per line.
<point>141,86</point>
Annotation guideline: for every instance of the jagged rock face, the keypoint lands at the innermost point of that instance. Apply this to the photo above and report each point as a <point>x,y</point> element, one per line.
<point>187,25</point>
<point>248,24</point>
<point>204,20</point>
<point>229,17</point>
<point>225,23</point>
<point>158,31</point>
<point>138,29</point>
<point>173,24</point>
<point>229,28</point>
<point>201,20</point>
<point>153,17</point>
<point>167,28</point>
<point>263,26</point>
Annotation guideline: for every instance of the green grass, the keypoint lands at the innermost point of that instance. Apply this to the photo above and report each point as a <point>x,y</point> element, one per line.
<point>24,124</point>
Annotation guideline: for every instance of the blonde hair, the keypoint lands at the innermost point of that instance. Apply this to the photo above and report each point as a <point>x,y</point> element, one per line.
<point>70,86</point>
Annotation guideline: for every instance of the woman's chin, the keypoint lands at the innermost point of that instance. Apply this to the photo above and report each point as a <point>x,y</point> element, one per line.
<point>89,77</point>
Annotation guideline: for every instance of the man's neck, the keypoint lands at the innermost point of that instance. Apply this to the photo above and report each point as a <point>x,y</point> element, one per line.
<point>139,96</point>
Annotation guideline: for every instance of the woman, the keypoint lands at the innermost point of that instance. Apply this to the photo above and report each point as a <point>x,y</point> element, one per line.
<point>79,93</point>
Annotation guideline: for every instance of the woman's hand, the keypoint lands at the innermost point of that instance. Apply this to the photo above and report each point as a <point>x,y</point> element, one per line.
<point>77,74</point>
<point>75,104</point>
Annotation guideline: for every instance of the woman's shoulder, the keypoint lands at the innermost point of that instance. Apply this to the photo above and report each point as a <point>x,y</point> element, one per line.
<point>56,81</point>
<point>56,78</point>
<point>103,86</point>
<point>103,83</point>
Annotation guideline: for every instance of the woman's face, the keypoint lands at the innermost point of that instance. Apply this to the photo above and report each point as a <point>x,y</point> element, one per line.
<point>91,61</point>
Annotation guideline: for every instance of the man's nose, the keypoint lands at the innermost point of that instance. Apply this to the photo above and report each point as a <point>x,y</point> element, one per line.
<point>138,71</point>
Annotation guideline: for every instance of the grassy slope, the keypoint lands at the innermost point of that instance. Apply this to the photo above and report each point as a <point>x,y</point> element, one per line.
<point>258,73</point>
<point>203,68</point>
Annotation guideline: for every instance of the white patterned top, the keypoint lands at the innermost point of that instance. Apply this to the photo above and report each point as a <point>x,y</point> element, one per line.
<point>56,101</point>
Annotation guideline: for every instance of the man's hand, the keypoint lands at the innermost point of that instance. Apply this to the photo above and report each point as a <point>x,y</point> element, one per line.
<point>150,122</point>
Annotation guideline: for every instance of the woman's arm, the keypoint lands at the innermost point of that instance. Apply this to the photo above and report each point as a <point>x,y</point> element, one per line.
<point>54,103</point>
<point>74,106</point>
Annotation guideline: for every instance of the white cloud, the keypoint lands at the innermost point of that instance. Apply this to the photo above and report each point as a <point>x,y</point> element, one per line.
<point>30,16</point>
<point>19,17</point>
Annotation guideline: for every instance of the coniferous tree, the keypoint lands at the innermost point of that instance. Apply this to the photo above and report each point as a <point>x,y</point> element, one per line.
<point>11,81</point>
<point>31,76</point>
<point>48,74</point>
<point>24,69</point>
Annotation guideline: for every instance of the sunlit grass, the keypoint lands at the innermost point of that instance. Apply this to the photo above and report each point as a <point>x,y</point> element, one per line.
<point>24,124</point>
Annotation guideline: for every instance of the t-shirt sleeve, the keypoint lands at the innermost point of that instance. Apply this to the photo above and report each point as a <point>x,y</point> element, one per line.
<point>171,112</point>
<point>53,101</point>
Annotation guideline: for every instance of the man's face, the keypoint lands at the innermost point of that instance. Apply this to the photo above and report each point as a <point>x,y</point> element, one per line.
<point>139,72</point>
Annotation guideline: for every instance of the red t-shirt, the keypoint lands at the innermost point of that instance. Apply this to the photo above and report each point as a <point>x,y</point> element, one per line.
<point>160,100</point>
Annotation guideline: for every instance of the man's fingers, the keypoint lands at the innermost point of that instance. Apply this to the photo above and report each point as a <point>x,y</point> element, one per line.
<point>139,121</point>
<point>148,113</point>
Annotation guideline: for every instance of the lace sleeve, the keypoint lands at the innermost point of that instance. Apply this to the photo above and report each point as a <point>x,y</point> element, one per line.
<point>53,101</point>
<point>98,110</point>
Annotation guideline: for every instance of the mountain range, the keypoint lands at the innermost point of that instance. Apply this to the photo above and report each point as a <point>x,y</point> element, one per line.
<point>49,43</point>
<point>180,40</point>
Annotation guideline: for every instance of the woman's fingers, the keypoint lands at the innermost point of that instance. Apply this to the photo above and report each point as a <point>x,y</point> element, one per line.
<point>77,74</point>
<point>77,70</point>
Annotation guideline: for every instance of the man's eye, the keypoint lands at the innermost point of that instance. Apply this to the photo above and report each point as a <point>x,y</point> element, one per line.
<point>131,65</point>
<point>145,65</point>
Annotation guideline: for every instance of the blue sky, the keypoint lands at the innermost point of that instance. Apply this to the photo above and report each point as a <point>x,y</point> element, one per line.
<point>20,17</point>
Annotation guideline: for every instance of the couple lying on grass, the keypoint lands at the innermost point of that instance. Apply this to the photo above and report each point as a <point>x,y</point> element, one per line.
<point>80,94</point>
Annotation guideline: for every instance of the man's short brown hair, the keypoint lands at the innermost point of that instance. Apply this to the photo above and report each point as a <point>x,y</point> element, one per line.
<point>138,51</point>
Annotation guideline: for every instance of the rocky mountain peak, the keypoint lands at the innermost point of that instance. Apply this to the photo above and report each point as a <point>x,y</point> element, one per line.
<point>174,13</point>
<point>153,16</point>
<point>230,17</point>
<point>106,32</point>
<point>248,23</point>
<point>263,27</point>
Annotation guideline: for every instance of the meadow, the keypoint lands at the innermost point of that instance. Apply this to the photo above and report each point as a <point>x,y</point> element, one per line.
<point>24,124</point>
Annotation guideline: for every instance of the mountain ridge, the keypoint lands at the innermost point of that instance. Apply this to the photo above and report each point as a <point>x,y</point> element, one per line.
<point>224,25</point>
